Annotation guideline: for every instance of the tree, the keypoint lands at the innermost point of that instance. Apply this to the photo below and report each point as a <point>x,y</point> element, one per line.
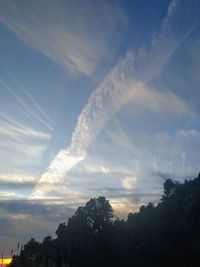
<point>95,215</point>
<point>84,228</point>
<point>62,245</point>
<point>169,189</point>
<point>47,250</point>
<point>30,253</point>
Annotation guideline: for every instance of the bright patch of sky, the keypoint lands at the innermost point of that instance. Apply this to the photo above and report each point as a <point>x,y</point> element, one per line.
<point>95,99</point>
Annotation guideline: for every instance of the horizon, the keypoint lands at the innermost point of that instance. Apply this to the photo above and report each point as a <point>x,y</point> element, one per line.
<point>97,98</point>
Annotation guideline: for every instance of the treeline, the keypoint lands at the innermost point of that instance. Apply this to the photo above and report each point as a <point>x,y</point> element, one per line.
<point>167,234</point>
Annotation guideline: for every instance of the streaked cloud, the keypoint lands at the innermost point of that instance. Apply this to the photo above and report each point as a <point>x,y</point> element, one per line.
<point>17,178</point>
<point>25,129</point>
<point>23,144</point>
<point>187,133</point>
<point>34,102</point>
<point>63,31</point>
<point>33,113</point>
<point>6,195</point>
<point>20,133</point>
<point>149,99</point>
<point>129,182</point>
<point>120,138</point>
<point>16,129</point>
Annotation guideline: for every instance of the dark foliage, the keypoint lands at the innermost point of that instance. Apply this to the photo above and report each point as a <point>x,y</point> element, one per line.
<point>167,234</point>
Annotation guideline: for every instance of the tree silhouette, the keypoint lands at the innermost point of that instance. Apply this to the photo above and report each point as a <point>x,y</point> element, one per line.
<point>170,188</point>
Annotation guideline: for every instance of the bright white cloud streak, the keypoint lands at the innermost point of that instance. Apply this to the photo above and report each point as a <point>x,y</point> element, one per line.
<point>118,87</point>
<point>106,100</point>
<point>17,178</point>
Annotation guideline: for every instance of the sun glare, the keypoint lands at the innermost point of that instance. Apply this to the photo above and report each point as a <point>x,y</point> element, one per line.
<point>6,261</point>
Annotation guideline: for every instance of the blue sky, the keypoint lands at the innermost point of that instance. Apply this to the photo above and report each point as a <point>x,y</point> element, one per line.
<point>96,98</point>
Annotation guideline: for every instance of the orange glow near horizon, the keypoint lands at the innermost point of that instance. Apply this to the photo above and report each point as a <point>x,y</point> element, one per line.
<point>6,261</point>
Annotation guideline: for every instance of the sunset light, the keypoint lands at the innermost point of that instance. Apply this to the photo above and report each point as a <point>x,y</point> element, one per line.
<point>6,261</point>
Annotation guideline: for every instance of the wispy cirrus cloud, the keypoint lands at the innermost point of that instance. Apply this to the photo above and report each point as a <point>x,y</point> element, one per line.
<point>19,132</point>
<point>34,102</point>
<point>13,179</point>
<point>16,129</point>
<point>37,112</point>
<point>128,79</point>
<point>63,31</point>
<point>22,144</point>
<point>6,195</point>
<point>25,129</point>
<point>120,138</point>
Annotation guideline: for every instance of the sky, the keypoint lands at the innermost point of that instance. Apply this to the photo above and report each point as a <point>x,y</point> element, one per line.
<point>96,98</point>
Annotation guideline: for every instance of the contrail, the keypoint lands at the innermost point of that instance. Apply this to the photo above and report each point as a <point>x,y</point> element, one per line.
<point>106,100</point>
<point>32,99</point>
<point>27,109</point>
<point>135,70</point>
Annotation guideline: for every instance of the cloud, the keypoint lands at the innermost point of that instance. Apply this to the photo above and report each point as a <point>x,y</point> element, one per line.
<point>120,138</point>
<point>33,208</point>
<point>73,34</point>
<point>171,9</point>
<point>62,163</point>
<point>126,203</point>
<point>188,133</point>
<point>22,144</point>
<point>30,150</point>
<point>33,101</point>
<point>19,178</point>
<point>16,129</point>
<point>149,99</point>
<point>21,220</point>
<point>173,152</point>
<point>106,100</point>
<point>129,182</point>
<point>6,195</point>
<point>19,133</point>
<point>21,101</point>
<point>123,206</point>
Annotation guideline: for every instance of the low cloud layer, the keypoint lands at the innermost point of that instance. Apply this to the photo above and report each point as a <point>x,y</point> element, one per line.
<point>21,219</point>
